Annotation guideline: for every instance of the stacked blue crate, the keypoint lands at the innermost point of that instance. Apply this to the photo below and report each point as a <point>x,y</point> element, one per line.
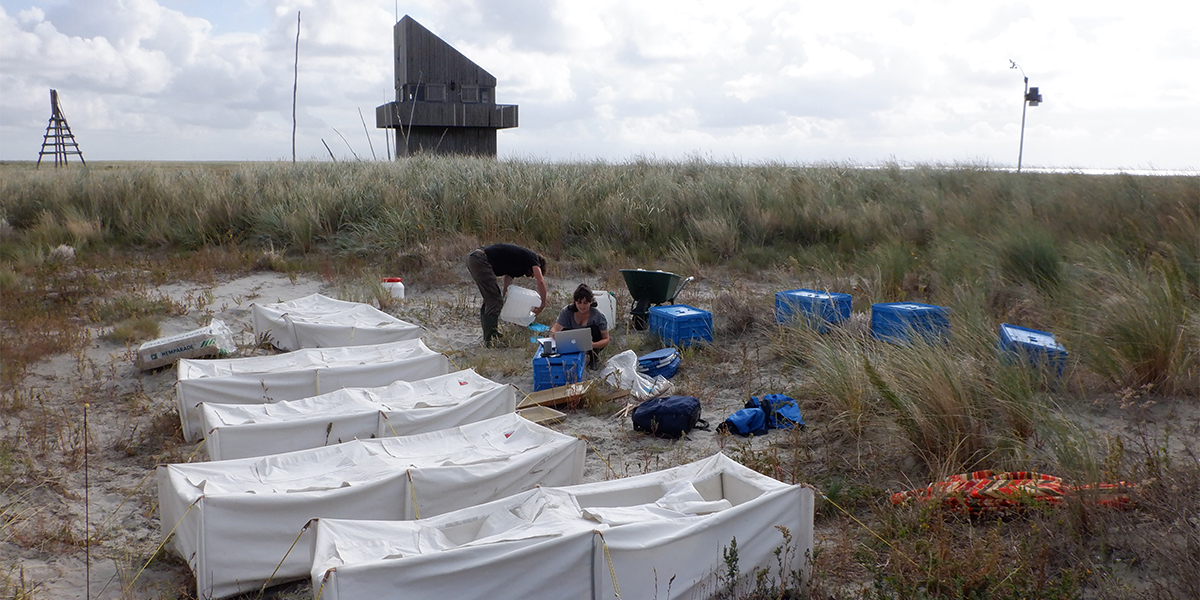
<point>1039,347</point>
<point>663,362</point>
<point>818,309</point>
<point>897,322</point>
<point>680,324</point>
<point>557,370</point>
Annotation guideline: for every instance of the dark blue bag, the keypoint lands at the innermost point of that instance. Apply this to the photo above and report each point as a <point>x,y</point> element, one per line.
<point>746,422</point>
<point>669,416</point>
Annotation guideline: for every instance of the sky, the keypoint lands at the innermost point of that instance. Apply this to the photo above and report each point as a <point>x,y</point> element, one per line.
<point>767,81</point>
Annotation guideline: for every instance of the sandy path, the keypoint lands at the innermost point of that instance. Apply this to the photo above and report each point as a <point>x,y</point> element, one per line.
<point>131,428</point>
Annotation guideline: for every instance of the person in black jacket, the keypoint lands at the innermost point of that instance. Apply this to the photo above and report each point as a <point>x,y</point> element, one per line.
<point>507,261</point>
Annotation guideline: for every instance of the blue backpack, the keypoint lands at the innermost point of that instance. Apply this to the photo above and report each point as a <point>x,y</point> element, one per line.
<point>772,411</point>
<point>746,422</point>
<point>781,411</point>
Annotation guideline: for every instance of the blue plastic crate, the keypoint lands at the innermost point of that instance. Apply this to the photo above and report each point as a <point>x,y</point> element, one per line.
<point>818,309</point>
<point>558,370</point>
<point>897,322</point>
<point>680,324</point>
<point>1039,347</point>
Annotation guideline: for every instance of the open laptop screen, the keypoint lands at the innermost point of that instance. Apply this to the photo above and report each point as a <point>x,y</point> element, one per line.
<point>574,340</point>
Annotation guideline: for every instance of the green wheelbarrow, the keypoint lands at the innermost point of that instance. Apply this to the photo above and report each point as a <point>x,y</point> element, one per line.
<point>651,288</point>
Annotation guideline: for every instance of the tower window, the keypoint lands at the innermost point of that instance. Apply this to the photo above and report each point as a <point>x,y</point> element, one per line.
<point>435,92</point>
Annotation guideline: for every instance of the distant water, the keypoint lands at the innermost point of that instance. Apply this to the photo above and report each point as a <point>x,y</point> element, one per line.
<point>1159,172</point>
<point>1080,170</point>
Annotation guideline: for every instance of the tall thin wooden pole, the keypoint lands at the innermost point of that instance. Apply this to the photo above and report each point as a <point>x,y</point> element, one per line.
<point>368,133</point>
<point>295,85</point>
<point>87,519</point>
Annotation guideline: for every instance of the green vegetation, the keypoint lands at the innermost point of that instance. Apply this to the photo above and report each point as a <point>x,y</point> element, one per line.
<point>1109,264</point>
<point>888,219</point>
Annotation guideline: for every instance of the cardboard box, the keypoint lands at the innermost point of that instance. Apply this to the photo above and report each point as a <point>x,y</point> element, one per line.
<point>207,342</point>
<point>542,415</point>
<point>556,396</point>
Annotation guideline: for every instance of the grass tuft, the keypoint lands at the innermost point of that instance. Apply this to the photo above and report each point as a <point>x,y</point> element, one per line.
<point>1141,326</point>
<point>1032,257</point>
<point>137,329</point>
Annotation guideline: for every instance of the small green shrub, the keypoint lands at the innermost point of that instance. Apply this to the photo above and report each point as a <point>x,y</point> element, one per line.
<point>133,330</point>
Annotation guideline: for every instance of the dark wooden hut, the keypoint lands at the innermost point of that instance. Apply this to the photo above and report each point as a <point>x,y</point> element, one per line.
<point>445,104</point>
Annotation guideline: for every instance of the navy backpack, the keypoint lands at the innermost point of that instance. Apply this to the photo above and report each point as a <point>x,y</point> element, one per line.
<point>668,416</point>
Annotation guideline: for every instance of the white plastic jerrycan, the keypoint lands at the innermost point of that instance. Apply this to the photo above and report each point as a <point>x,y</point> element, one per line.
<point>607,305</point>
<point>519,305</point>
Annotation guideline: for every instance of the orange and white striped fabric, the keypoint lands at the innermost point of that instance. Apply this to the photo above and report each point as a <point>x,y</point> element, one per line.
<point>988,491</point>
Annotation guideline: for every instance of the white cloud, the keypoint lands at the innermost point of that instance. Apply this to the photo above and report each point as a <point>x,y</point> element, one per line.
<point>775,80</point>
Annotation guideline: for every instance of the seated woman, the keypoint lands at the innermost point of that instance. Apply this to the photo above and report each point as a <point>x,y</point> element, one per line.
<point>582,312</point>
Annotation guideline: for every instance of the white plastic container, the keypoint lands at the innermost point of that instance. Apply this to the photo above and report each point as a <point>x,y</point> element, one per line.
<point>395,286</point>
<point>607,305</point>
<point>519,305</point>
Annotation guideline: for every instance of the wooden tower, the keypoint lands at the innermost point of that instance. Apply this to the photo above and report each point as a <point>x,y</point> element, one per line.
<point>445,104</point>
<point>59,140</point>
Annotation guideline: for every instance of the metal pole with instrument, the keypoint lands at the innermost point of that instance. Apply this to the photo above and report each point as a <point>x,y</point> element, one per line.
<point>1031,97</point>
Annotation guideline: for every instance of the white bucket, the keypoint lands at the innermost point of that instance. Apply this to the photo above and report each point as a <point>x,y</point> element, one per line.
<point>394,286</point>
<point>607,305</point>
<point>519,305</point>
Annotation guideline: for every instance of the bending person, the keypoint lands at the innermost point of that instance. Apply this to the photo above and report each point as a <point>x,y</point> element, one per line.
<point>508,261</point>
<point>582,312</point>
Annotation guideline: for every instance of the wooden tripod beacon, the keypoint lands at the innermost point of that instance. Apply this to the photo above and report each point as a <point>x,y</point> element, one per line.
<point>59,140</point>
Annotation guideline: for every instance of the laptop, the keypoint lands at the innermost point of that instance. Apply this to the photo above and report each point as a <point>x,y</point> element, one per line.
<point>574,340</point>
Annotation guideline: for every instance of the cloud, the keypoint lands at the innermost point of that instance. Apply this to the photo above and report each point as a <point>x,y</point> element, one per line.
<point>772,80</point>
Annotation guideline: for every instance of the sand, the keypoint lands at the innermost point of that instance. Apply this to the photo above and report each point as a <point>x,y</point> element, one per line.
<point>131,428</point>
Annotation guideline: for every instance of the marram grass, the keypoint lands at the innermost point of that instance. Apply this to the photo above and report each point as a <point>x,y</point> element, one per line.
<point>1023,246</point>
<point>642,207</point>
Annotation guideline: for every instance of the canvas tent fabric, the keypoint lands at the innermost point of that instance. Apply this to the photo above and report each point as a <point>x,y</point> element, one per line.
<point>402,408</point>
<point>654,530</point>
<point>318,321</point>
<point>233,521</point>
<point>296,375</point>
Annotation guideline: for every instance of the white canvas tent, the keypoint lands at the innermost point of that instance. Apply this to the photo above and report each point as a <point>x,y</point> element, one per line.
<point>640,534</point>
<point>402,408</point>
<point>234,520</point>
<point>318,321</point>
<point>296,375</point>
